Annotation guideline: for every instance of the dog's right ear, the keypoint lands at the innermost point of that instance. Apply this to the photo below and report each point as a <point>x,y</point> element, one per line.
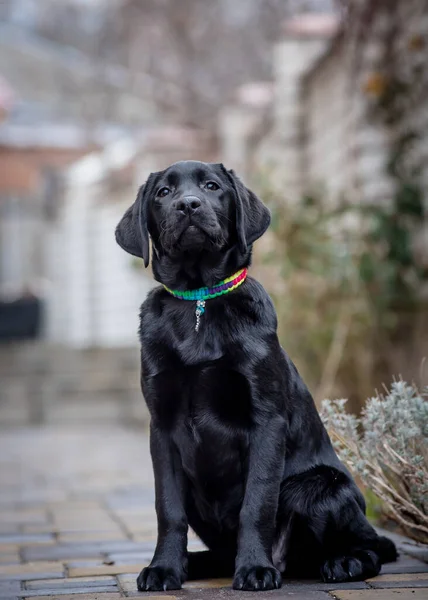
<point>132,232</point>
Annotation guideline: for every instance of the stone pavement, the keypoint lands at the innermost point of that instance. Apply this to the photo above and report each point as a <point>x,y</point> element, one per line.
<point>77,521</point>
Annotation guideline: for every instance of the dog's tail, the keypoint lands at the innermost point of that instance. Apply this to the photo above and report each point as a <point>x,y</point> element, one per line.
<point>386,550</point>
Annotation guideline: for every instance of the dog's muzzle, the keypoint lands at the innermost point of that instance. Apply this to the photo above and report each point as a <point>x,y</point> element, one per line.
<point>187,205</point>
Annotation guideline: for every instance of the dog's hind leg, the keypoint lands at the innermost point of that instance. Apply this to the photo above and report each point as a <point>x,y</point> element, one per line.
<point>331,531</point>
<point>355,556</point>
<point>359,552</point>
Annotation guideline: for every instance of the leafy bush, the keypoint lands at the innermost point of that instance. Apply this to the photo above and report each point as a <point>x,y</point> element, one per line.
<point>387,448</point>
<point>350,302</point>
<point>325,318</point>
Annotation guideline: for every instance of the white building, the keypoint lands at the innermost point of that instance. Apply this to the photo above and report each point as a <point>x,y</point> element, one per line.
<point>94,288</point>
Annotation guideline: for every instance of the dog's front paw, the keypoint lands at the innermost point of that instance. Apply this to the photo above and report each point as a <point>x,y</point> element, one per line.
<point>257,578</point>
<point>158,579</point>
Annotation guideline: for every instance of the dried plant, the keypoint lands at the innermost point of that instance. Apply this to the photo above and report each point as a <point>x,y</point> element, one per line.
<point>387,448</point>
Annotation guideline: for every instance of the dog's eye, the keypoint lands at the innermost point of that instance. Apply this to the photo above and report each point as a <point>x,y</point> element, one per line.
<point>212,186</point>
<point>163,192</point>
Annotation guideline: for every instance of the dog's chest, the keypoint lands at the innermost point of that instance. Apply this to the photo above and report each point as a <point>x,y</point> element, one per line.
<point>223,331</point>
<point>211,424</point>
<point>196,348</point>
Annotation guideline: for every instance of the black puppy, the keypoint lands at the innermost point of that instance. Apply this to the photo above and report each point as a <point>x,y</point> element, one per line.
<point>239,452</point>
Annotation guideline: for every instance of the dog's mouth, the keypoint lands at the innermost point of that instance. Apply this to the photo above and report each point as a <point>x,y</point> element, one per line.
<point>191,236</point>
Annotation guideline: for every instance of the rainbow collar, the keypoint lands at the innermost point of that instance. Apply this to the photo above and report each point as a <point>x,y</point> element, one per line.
<point>202,294</point>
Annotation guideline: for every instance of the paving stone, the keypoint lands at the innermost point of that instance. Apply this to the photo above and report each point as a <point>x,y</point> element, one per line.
<point>141,538</point>
<point>38,570</point>
<point>127,557</point>
<point>9,558</point>
<point>67,591</point>
<point>128,582</point>
<point>39,528</point>
<point>389,594</point>
<point>91,536</point>
<point>105,570</point>
<point>74,564</point>
<point>8,528</point>
<point>400,577</point>
<point>133,498</point>
<point>23,516</point>
<point>227,593</point>
<point>417,551</point>
<point>151,597</point>
<point>405,564</point>
<point>85,516</point>
<point>27,538</point>
<point>80,527</point>
<point>62,551</point>
<point>92,560</point>
<point>70,511</point>
<point>139,523</point>
<point>32,498</point>
<point>9,589</point>
<point>9,548</point>
<point>301,585</point>
<point>400,580</point>
<point>71,582</point>
<point>142,510</point>
<point>90,496</point>
<point>74,505</point>
<point>67,551</point>
<point>89,596</point>
<point>207,583</point>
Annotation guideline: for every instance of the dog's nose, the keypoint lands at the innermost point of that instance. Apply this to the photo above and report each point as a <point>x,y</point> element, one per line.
<point>188,204</point>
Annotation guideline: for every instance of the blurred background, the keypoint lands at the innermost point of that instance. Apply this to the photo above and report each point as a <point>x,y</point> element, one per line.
<point>320,106</point>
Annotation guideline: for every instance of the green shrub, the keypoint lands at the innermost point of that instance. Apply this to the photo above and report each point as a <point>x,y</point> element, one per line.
<point>348,291</point>
<point>387,448</point>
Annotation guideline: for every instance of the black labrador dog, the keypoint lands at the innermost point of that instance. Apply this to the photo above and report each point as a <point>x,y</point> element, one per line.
<point>239,451</point>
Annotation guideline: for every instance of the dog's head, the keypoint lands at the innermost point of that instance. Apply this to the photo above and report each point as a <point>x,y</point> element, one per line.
<point>192,207</point>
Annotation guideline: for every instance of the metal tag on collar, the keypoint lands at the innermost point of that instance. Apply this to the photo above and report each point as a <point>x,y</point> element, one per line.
<point>200,309</point>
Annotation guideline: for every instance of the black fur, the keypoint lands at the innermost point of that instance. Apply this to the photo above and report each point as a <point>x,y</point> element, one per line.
<point>238,448</point>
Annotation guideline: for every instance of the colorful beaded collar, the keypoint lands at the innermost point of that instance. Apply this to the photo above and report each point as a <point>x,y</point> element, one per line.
<point>202,294</point>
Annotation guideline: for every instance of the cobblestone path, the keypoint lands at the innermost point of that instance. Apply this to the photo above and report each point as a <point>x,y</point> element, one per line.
<point>77,521</point>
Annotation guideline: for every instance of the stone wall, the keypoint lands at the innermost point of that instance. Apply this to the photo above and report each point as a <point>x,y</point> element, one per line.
<point>281,151</point>
<point>345,152</point>
<point>43,383</point>
<point>322,137</point>
<point>346,148</point>
<point>240,124</point>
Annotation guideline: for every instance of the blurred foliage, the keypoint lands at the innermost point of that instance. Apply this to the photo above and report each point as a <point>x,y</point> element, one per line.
<point>324,314</point>
<point>388,266</point>
<point>387,448</point>
<point>350,283</point>
<point>374,506</point>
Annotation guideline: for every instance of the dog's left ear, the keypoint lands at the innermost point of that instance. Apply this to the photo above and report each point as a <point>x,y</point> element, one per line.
<point>132,232</point>
<point>252,216</point>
